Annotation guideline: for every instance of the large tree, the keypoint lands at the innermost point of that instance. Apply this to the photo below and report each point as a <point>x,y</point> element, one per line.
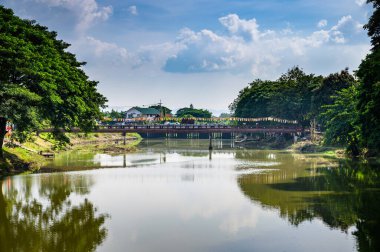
<point>295,95</point>
<point>369,97</point>
<point>193,112</point>
<point>341,120</point>
<point>114,114</point>
<point>41,83</point>
<point>288,97</point>
<point>329,87</point>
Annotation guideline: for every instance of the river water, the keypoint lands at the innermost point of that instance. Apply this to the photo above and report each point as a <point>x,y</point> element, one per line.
<point>175,195</point>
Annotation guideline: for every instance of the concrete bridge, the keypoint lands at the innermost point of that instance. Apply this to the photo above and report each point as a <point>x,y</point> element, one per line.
<point>201,129</point>
<point>174,130</point>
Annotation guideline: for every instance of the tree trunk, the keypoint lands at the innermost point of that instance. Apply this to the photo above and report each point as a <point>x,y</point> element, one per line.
<point>353,148</point>
<point>3,131</point>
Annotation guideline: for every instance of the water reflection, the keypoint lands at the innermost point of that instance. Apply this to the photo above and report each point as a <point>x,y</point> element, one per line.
<point>179,196</point>
<point>344,197</point>
<point>49,213</point>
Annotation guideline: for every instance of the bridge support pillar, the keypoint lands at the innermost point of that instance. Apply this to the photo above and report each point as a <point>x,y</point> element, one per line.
<point>124,138</point>
<point>210,145</point>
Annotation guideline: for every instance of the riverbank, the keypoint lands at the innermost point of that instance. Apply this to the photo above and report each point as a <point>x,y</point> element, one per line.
<point>308,147</point>
<point>18,160</point>
<point>301,147</point>
<point>26,157</point>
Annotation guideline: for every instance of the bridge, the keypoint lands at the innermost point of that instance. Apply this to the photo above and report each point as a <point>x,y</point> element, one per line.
<point>162,129</point>
<point>168,129</point>
<point>211,130</point>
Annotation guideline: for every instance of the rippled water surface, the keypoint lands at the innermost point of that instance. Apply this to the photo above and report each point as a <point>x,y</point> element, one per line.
<point>178,196</point>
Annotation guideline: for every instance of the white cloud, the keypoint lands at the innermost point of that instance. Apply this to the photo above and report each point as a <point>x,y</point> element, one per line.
<point>348,24</point>
<point>152,55</point>
<point>360,2</point>
<point>104,49</point>
<point>133,10</point>
<point>235,25</point>
<point>247,48</point>
<point>243,49</point>
<point>322,23</point>
<point>87,11</point>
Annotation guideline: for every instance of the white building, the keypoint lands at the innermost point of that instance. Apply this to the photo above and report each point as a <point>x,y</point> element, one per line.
<point>137,112</point>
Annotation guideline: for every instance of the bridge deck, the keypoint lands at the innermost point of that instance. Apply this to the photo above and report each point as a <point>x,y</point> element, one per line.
<point>163,129</point>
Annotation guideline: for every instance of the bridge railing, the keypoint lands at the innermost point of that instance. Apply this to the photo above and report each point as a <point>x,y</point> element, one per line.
<point>187,127</point>
<point>158,126</point>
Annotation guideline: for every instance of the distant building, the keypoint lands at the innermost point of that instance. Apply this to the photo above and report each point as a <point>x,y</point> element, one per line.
<point>137,112</point>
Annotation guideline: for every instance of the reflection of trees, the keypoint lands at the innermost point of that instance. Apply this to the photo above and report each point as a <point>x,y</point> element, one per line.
<point>50,222</point>
<point>342,197</point>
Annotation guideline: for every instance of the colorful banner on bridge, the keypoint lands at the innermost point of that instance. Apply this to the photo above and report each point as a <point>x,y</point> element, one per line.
<point>212,119</point>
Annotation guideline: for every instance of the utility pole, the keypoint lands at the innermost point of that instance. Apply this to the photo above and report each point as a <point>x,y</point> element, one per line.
<point>160,104</point>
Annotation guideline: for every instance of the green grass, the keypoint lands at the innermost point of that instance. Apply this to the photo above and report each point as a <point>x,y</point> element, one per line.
<point>329,153</point>
<point>24,155</point>
<point>18,160</point>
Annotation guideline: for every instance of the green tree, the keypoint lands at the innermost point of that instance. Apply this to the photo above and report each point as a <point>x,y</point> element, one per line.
<point>253,101</point>
<point>373,25</point>
<point>41,82</point>
<point>288,97</point>
<point>296,97</point>
<point>369,90</point>
<point>330,86</point>
<point>341,120</point>
<point>192,112</point>
<point>114,114</point>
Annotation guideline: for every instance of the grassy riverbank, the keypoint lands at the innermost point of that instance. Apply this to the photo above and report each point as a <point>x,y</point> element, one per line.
<point>26,157</point>
<point>308,147</point>
<point>18,160</point>
<point>302,147</point>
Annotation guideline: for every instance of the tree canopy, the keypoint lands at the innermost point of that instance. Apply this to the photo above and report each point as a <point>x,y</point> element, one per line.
<point>369,90</point>
<point>373,25</point>
<point>341,120</point>
<point>41,83</point>
<point>295,95</point>
<point>193,112</point>
<point>353,118</point>
<point>114,114</point>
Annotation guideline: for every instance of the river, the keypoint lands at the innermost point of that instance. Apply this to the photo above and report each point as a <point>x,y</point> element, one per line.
<point>175,195</point>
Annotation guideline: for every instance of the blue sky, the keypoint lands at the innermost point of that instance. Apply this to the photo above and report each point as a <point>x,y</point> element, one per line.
<point>202,51</point>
